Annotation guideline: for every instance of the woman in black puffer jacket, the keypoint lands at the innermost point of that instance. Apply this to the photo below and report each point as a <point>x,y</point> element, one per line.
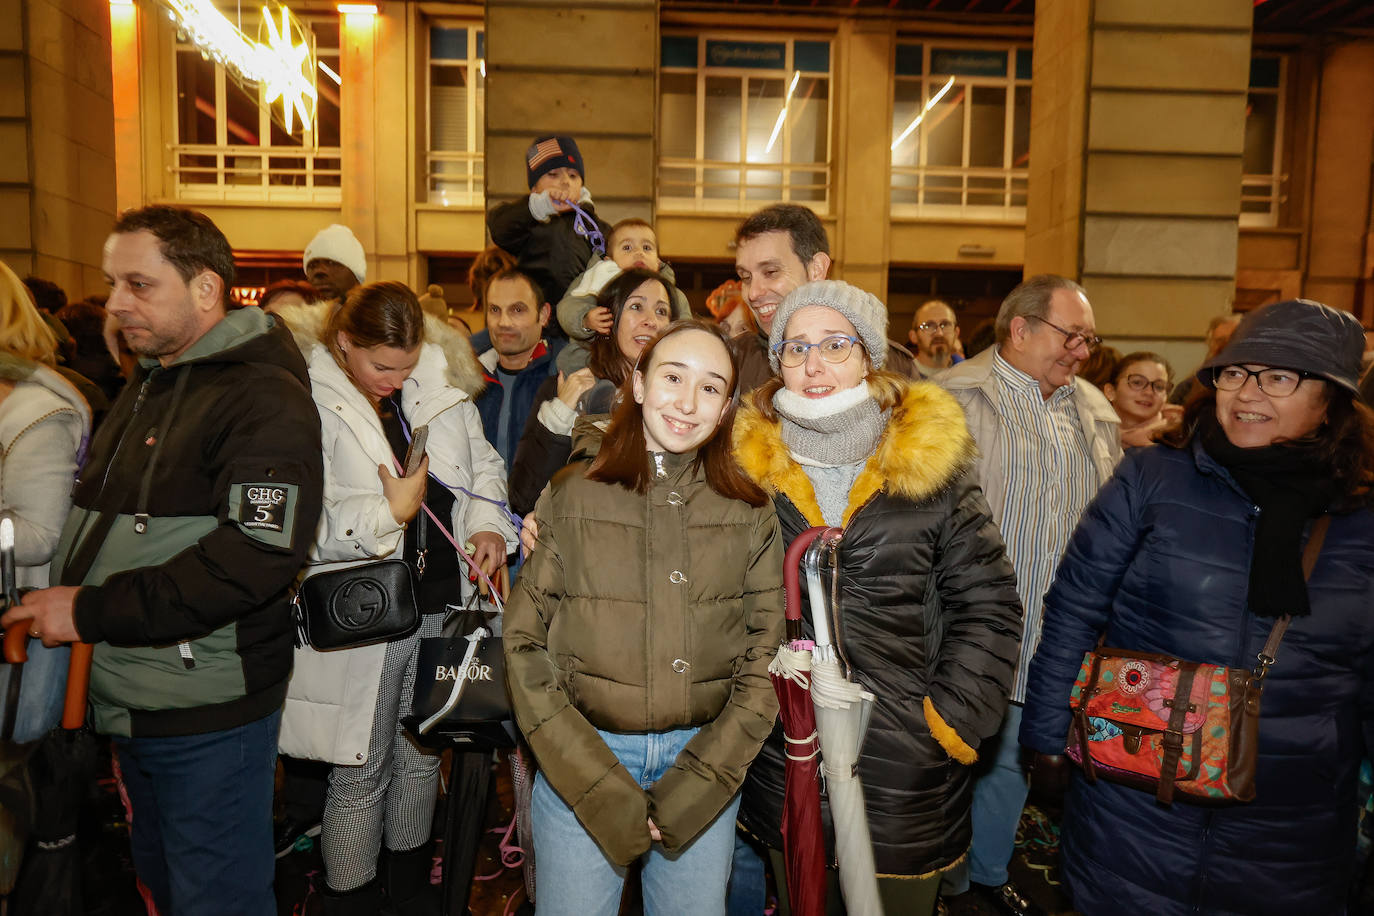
<point>929,619</point>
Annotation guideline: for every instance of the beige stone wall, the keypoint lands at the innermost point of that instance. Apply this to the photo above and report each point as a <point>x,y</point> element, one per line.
<point>1136,140</point>
<point>588,70</point>
<point>57,154</point>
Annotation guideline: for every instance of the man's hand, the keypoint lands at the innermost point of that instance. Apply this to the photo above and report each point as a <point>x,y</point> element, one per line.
<point>48,614</point>
<point>599,320</point>
<point>529,535</point>
<point>572,387</point>
<point>654,833</point>
<point>488,551</point>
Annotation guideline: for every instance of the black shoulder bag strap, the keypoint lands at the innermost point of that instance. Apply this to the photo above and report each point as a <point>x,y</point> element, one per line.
<point>1310,552</point>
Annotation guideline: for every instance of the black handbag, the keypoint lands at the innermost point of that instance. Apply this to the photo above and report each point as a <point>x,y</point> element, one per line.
<point>357,606</point>
<point>460,690</point>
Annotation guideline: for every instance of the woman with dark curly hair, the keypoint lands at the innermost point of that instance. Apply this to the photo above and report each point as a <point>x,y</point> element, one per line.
<point>1194,550</point>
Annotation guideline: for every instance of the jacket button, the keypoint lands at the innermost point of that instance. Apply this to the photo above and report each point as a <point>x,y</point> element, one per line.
<point>676,577</point>
<point>675,499</point>
<point>358,757</point>
<point>681,666</point>
<point>349,532</point>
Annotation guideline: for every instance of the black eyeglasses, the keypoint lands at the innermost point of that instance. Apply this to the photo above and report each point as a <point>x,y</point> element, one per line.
<point>1277,383</point>
<point>1073,339</point>
<point>934,325</point>
<point>1140,383</point>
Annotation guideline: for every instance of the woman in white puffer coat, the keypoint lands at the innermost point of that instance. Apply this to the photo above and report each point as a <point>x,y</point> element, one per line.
<point>44,425</point>
<point>374,379</point>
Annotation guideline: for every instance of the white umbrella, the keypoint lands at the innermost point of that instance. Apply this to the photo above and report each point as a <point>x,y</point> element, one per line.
<point>842,711</point>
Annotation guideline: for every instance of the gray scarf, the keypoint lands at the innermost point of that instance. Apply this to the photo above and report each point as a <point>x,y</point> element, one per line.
<point>843,428</point>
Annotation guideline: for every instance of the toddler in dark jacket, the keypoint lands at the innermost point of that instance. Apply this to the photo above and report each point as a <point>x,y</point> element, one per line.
<point>542,231</point>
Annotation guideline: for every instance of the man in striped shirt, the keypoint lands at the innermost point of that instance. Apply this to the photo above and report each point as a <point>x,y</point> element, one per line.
<point>1047,440</point>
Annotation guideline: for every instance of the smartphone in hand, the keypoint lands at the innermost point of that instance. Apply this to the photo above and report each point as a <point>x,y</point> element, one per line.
<point>416,453</point>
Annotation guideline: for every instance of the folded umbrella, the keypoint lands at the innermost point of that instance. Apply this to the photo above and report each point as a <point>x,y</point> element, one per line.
<point>842,711</point>
<point>802,832</point>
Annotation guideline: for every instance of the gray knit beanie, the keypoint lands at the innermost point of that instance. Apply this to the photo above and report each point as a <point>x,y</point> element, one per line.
<point>864,311</point>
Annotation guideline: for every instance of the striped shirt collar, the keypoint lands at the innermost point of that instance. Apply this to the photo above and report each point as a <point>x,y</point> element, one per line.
<point>1017,380</point>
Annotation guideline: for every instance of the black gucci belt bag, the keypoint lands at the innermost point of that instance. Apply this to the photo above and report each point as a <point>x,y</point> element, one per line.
<point>357,606</point>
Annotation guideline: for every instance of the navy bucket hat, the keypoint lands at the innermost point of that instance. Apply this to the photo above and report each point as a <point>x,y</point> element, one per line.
<point>1296,334</point>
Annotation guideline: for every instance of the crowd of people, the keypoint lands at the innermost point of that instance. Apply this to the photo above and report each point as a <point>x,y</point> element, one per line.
<point>177,464</point>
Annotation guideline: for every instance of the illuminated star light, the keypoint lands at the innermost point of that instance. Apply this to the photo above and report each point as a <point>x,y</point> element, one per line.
<point>285,66</point>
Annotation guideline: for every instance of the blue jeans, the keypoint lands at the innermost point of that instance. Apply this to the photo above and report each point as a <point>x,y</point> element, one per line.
<point>202,818</point>
<point>40,692</point>
<point>575,877</point>
<point>998,797</point>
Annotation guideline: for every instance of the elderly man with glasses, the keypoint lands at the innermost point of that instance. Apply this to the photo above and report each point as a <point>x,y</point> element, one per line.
<point>1046,441</point>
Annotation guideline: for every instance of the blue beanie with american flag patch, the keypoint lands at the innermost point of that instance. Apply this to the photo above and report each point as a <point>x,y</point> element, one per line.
<point>548,153</point>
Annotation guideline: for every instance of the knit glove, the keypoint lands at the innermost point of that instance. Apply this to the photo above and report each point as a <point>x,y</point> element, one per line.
<point>543,209</point>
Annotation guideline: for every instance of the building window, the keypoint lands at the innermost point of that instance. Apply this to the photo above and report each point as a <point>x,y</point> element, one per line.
<point>961,131</point>
<point>743,122</point>
<point>1262,188</point>
<point>457,113</point>
<point>232,145</point>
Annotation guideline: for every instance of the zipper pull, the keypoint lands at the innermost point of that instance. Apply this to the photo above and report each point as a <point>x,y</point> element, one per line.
<point>658,465</point>
<point>187,659</point>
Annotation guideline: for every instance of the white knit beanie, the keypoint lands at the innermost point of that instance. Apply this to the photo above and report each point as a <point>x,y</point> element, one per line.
<point>338,243</point>
<point>864,311</point>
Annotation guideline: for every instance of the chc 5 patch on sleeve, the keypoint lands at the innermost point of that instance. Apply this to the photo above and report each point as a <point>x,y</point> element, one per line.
<point>265,511</point>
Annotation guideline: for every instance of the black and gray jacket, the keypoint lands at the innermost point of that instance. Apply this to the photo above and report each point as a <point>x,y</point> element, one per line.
<point>213,467</point>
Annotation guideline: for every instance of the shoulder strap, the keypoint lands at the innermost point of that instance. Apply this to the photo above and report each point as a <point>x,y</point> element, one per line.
<point>1309,561</point>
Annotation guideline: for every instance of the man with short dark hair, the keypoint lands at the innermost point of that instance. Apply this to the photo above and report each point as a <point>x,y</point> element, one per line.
<point>777,249</point>
<point>519,359</point>
<point>190,520</point>
<point>1046,442</point>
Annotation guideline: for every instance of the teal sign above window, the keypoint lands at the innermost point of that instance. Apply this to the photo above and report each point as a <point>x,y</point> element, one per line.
<point>909,61</point>
<point>678,51</point>
<point>448,44</point>
<point>967,62</point>
<point>755,55</point>
<point>811,56</point>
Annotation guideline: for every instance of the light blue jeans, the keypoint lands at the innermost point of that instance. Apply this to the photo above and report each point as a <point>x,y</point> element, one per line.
<point>998,797</point>
<point>41,691</point>
<point>575,878</point>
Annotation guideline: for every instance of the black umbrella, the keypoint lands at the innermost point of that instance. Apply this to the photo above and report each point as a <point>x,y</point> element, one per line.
<point>61,767</point>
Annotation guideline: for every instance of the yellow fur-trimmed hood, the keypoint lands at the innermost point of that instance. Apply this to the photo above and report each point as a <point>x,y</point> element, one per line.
<point>306,324</point>
<point>925,447</point>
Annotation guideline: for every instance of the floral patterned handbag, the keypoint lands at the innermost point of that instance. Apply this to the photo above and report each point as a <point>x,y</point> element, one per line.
<point>1167,725</point>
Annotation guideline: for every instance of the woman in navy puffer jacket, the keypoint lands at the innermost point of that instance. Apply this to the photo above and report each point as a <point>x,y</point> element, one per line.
<point>1194,551</point>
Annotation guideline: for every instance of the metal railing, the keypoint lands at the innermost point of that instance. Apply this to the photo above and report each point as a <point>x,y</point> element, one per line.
<point>253,173</point>
<point>455,179</point>
<point>959,192</point>
<point>714,185</point>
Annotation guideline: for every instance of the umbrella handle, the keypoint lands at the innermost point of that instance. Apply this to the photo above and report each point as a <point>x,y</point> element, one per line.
<point>791,579</point>
<point>16,643</point>
<point>78,685</point>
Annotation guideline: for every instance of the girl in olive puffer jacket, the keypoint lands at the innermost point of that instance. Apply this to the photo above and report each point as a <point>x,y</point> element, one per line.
<point>638,641</point>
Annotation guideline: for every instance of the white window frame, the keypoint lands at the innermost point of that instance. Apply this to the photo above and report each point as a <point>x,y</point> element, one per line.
<point>1269,188</point>
<point>235,162</point>
<point>1011,175</point>
<point>472,185</point>
<point>742,203</point>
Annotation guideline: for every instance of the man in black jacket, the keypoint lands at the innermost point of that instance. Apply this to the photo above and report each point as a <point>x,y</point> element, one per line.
<point>192,515</point>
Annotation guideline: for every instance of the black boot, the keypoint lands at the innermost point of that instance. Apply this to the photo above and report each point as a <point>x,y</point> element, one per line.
<point>406,875</point>
<point>362,901</point>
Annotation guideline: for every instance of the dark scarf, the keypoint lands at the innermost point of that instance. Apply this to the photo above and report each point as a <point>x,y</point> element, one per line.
<point>1290,483</point>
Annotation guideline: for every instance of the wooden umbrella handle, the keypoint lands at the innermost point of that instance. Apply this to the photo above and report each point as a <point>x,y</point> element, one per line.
<point>16,642</point>
<point>78,685</point>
